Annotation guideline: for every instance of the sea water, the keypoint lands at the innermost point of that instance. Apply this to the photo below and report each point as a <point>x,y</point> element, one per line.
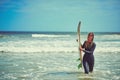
<point>53,55</point>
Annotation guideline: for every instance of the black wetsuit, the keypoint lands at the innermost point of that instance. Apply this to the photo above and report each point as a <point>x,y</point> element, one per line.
<point>88,58</point>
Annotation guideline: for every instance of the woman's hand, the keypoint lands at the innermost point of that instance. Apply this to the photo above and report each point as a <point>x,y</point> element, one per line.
<point>81,49</point>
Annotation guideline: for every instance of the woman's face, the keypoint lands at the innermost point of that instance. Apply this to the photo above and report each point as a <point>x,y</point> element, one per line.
<point>90,39</point>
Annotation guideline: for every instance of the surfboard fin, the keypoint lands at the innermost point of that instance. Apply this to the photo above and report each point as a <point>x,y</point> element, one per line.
<point>78,59</point>
<point>80,66</point>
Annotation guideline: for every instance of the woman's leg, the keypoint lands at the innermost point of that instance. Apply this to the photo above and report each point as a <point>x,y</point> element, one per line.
<point>91,64</point>
<point>85,66</point>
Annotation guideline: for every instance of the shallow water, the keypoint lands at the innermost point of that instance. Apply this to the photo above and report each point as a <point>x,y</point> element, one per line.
<point>54,66</point>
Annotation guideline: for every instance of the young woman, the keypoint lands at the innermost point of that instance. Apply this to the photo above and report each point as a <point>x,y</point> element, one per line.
<point>88,48</point>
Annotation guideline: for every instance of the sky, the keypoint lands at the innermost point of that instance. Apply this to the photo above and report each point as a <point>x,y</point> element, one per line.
<point>60,15</point>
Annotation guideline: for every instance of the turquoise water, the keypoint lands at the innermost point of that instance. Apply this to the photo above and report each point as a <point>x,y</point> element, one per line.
<point>52,56</point>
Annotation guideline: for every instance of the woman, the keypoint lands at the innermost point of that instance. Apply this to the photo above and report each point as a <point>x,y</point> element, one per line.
<point>88,59</point>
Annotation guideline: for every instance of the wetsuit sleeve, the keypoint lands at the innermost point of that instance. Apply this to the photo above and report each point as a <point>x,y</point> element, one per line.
<point>91,50</point>
<point>83,46</point>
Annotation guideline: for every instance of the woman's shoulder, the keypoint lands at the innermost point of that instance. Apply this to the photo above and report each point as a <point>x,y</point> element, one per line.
<point>94,43</point>
<point>85,41</point>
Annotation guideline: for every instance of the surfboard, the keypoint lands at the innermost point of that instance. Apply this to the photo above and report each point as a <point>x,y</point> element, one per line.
<point>79,43</point>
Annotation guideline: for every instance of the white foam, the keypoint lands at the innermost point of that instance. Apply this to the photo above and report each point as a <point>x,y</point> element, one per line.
<point>115,77</point>
<point>49,35</point>
<point>107,49</point>
<point>108,37</point>
<point>38,46</point>
<point>58,43</point>
<point>54,46</point>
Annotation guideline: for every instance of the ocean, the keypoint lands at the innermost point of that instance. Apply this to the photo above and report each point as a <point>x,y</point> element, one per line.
<point>53,55</point>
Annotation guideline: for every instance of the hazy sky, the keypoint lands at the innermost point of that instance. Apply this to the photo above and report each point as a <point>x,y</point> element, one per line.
<point>60,15</point>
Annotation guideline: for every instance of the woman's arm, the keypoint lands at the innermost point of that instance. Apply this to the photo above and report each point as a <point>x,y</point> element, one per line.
<point>91,49</point>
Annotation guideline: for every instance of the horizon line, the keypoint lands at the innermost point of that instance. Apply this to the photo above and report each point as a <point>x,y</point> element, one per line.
<point>56,31</point>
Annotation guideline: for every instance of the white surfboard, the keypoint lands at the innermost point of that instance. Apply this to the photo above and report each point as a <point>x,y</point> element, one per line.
<point>79,43</point>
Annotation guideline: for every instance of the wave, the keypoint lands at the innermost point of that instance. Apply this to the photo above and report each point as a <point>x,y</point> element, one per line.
<point>1,36</point>
<point>49,35</point>
<point>60,43</point>
<point>106,37</point>
<point>49,49</point>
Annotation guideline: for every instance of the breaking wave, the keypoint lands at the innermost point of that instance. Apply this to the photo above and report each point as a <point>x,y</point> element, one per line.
<point>49,35</point>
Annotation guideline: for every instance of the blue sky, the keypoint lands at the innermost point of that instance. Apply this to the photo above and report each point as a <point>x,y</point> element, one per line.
<point>60,15</point>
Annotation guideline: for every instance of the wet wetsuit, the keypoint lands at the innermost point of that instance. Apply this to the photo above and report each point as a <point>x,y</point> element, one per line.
<point>88,58</point>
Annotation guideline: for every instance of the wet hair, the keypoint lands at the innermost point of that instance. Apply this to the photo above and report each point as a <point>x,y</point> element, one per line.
<point>91,34</point>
